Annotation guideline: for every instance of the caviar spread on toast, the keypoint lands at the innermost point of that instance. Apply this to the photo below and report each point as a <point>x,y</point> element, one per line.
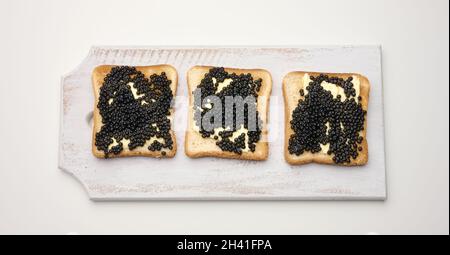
<point>134,111</point>
<point>329,118</point>
<point>225,109</point>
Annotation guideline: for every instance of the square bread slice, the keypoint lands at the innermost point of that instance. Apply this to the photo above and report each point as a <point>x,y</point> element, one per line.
<point>292,84</point>
<point>196,146</point>
<point>98,75</point>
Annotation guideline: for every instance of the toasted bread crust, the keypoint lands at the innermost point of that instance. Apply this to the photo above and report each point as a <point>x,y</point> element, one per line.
<point>292,83</point>
<point>196,146</point>
<point>98,74</point>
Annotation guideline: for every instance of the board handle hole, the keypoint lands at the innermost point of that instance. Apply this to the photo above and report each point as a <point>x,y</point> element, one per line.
<point>90,118</point>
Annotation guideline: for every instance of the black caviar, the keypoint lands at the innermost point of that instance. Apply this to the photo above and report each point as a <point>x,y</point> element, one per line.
<point>134,119</point>
<point>242,85</point>
<point>321,119</point>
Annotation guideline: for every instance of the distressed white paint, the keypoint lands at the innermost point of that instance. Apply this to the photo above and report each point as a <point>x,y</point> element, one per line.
<point>182,178</point>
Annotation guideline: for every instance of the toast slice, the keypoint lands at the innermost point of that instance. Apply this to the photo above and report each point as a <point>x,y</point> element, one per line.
<point>98,79</point>
<point>197,146</point>
<point>292,84</point>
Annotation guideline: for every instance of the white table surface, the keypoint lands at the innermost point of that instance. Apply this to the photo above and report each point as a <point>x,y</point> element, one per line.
<point>41,40</point>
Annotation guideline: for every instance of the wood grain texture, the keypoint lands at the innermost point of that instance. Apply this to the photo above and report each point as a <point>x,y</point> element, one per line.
<point>181,177</point>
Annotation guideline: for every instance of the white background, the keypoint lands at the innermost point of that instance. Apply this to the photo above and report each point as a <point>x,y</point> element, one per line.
<point>41,40</point>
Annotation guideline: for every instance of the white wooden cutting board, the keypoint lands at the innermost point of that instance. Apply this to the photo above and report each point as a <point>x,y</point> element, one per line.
<point>183,178</point>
